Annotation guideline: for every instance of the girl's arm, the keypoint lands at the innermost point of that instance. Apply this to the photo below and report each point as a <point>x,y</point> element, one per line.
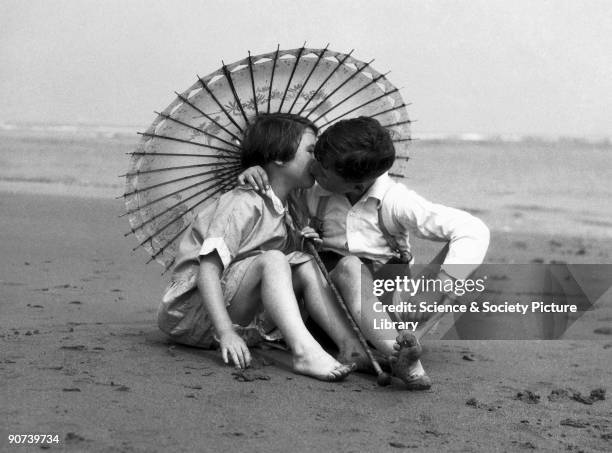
<point>209,285</point>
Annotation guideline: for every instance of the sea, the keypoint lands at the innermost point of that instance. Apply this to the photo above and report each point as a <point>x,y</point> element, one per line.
<point>548,184</point>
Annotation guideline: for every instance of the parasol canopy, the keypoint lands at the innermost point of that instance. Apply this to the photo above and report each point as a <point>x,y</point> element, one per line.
<point>190,155</point>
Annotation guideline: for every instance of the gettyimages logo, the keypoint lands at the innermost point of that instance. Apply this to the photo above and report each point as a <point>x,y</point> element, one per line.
<point>497,301</point>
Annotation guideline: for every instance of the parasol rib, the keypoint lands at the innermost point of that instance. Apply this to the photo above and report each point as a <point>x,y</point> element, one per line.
<point>359,107</point>
<point>297,60</point>
<point>335,90</point>
<point>312,96</point>
<point>161,250</point>
<point>212,95</point>
<point>206,115</point>
<point>354,93</point>
<point>177,235</point>
<point>172,261</point>
<point>165,189</point>
<point>159,230</point>
<point>138,153</point>
<point>272,77</point>
<point>382,112</point>
<point>297,96</point>
<point>399,123</point>
<point>253,84</point>
<point>165,183</point>
<point>197,129</point>
<point>228,77</point>
<point>182,140</point>
<point>157,170</point>
<point>223,181</point>
<point>149,203</point>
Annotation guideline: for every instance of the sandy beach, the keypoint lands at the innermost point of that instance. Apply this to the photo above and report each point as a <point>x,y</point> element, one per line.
<point>81,355</point>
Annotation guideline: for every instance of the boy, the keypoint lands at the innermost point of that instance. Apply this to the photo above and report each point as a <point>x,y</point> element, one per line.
<point>364,217</point>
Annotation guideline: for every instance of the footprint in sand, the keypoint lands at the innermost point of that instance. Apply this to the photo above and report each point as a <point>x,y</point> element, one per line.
<point>480,405</point>
<point>13,284</point>
<point>603,330</point>
<point>249,376</point>
<point>521,245</point>
<point>401,445</point>
<point>528,397</point>
<point>74,438</point>
<point>574,423</point>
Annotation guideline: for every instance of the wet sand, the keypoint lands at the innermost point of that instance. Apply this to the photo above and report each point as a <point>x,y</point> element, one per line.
<point>81,357</point>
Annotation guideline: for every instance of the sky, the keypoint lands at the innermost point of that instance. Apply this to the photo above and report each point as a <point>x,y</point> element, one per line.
<point>493,67</point>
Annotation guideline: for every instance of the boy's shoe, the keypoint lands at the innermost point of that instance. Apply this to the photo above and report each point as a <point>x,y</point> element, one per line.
<point>407,365</point>
<point>418,380</point>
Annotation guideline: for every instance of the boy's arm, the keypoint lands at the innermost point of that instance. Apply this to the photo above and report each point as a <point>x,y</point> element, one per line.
<point>468,236</point>
<point>256,177</point>
<point>209,286</point>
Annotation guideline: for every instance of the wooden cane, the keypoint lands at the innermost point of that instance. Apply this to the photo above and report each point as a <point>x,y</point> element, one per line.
<point>383,378</point>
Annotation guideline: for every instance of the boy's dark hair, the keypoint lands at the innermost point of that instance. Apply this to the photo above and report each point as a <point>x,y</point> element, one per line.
<point>273,136</point>
<point>356,149</point>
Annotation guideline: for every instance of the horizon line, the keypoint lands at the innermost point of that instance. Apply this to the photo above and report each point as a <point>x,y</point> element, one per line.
<point>127,129</point>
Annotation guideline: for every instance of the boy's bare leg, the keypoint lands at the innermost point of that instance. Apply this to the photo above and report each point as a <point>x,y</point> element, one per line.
<point>320,303</point>
<point>353,280</point>
<point>270,277</point>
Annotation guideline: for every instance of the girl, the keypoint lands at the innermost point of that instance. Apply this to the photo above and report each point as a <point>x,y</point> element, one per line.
<point>239,268</point>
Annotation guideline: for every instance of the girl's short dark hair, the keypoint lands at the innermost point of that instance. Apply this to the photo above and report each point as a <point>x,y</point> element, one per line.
<point>273,136</point>
<point>356,149</point>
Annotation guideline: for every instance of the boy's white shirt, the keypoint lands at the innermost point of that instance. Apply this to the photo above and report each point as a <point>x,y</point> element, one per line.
<point>354,229</point>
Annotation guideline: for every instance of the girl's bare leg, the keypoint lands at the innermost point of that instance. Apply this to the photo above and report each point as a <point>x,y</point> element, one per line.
<point>268,281</point>
<point>309,283</point>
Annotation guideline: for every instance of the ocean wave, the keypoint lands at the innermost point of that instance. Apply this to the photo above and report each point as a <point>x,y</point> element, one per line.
<point>470,137</point>
<point>116,131</point>
<point>63,180</point>
<point>79,130</point>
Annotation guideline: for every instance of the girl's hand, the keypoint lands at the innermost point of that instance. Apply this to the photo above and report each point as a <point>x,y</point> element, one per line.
<point>233,347</point>
<point>256,177</point>
<point>310,234</point>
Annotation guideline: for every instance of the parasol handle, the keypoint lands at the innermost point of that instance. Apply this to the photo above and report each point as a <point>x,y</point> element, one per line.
<point>383,378</point>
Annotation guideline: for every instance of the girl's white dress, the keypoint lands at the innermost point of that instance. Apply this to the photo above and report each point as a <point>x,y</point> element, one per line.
<point>240,225</point>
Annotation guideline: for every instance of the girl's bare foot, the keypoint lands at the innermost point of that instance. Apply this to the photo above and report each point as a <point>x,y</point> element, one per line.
<point>322,366</point>
<point>406,364</point>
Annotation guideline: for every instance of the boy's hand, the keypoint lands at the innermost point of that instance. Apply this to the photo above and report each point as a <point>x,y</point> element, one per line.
<point>233,347</point>
<point>310,234</point>
<point>256,177</point>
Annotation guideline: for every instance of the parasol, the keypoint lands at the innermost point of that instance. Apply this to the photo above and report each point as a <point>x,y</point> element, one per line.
<point>190,155</point>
